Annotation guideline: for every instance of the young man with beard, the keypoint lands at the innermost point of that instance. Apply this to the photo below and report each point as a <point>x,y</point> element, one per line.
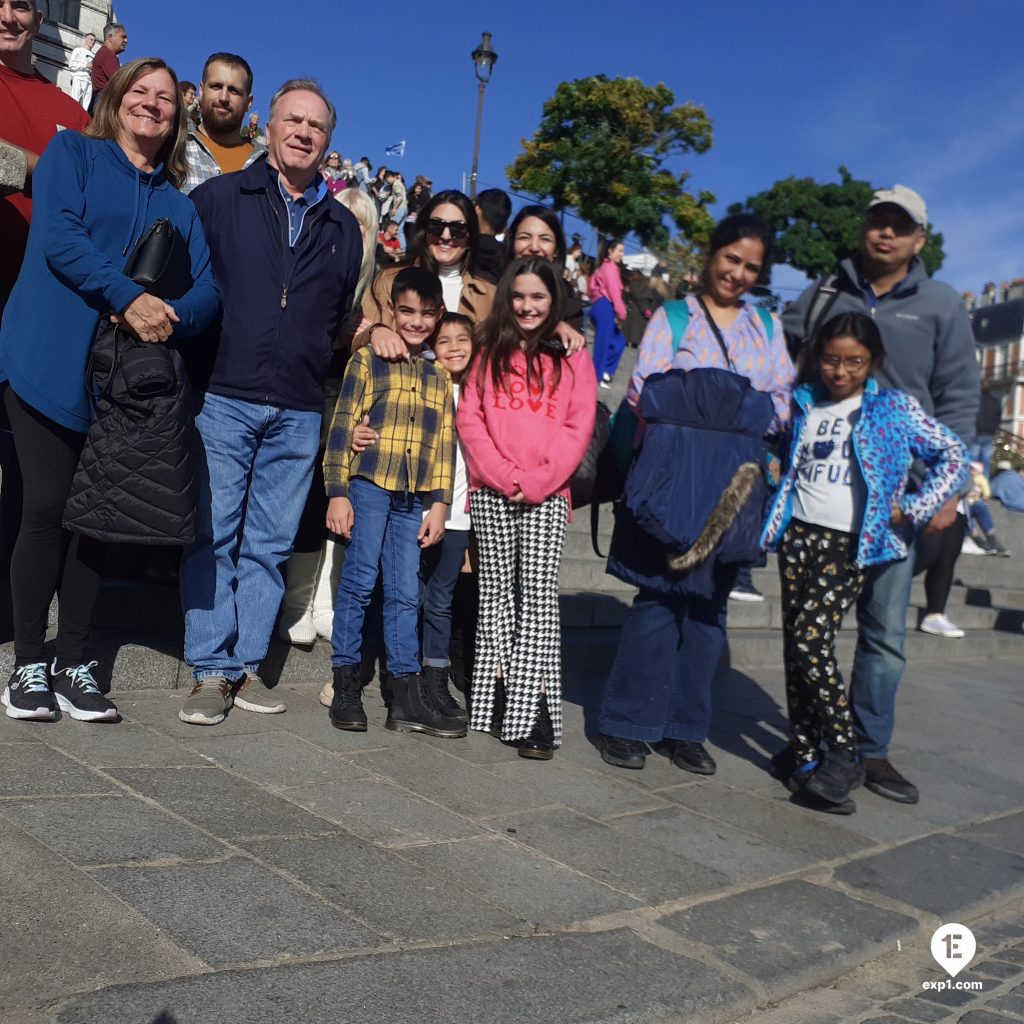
<point>217,146</point>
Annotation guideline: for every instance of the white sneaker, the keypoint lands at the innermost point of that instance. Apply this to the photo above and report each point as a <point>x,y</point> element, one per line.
<point>939,625</point>
<point>971,547</point>
<point>604,384</point>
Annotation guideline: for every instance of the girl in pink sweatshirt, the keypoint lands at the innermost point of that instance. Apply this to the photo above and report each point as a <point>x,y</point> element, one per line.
<point>608,310</point>
<point>525,419</point>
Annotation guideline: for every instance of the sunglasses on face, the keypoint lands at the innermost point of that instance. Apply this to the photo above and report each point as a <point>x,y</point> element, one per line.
<point>851,362</point>
<point>458,229</point>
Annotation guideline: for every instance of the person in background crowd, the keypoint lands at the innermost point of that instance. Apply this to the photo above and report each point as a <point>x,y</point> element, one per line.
<point>32,112</point>
<point>1008,487</point>
<point>930,354</point>
<point>105,63</point>
<point>80,66</point>
<point>96,193</point>
<point>659,687</point>
<point>331,171</point>
<point>253,132</point>
<point>525,419</point>
<point>979,518</point>
<point>190,95</point>
<point>989,419</point>
<point>398,208</point>
<point>607,310</point>
<point>389,246</point>
<point>261,395</point>
<point>493,208</point>
<point>572,259</point>
<point>380,192</point>
<point>419,195</point>
<point>362,170</point>
<point>217,145</point>
<point>641,302</point>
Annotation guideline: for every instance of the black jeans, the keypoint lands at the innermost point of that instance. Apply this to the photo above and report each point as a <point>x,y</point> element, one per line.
<point>46,556</point>
<point>936,556</point>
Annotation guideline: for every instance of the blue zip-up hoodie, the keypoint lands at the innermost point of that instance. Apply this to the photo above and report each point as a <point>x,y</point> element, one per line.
<point>283,305</point>
<point>891,431</point>
<point>91,206</point>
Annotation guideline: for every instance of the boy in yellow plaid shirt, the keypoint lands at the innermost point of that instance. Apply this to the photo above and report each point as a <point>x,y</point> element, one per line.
<point>377,502</point>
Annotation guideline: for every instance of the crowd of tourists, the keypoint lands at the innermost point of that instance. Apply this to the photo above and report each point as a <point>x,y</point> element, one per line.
<point>365,440</point>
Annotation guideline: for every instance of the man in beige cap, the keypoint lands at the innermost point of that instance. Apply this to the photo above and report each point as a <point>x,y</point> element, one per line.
<point>930,354</point>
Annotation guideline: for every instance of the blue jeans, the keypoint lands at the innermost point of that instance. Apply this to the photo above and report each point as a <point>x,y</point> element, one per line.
<point>879,660</point>
<point>609,341</point>
<point>254,477</point>
<point>980,516</point>
<point>383,540</point>
<point>440,567</point>
<point>981,451</point>
<point>660,683</point>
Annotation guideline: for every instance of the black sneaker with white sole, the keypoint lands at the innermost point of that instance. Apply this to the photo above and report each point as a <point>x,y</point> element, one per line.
<point>78,695</point>
<point>28,696</point>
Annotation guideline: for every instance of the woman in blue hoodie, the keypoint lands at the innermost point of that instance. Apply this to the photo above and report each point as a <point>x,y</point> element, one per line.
<point>95,194</point>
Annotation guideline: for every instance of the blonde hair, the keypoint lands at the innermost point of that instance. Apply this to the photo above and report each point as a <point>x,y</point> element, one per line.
<point>106,124</point>
<point>362,208</point>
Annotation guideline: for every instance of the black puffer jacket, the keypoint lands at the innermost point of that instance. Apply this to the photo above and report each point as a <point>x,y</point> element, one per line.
<point>137,479</point>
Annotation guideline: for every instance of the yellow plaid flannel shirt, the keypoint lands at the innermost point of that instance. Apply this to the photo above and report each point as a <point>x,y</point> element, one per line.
<point>410,406</point>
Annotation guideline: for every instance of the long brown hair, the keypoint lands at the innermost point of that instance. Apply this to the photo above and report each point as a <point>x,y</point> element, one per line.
<point>106,124</point>
<point>500,335</point>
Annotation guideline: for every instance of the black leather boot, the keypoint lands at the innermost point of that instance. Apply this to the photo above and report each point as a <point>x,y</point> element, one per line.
<point>498,707</point>
<point>347,704</point>
<point>540,744</point>
<point>412,710</point>
<point>435,680</point>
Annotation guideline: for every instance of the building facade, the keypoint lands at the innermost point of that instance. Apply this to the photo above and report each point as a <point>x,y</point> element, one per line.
<point>999,334</point>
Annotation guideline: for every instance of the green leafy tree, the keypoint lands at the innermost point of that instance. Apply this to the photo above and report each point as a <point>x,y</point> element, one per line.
<point>819,224</point>
<point>602,148</point>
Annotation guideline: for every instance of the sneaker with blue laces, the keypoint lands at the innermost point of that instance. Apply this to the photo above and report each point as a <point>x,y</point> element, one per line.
<point>27,694</point>
<point>79,696</point>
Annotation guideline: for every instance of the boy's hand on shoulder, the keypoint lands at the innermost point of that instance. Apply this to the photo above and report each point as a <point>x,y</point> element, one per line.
<point>432,528</point>
<point>363,436</point>
<point>340,517</point>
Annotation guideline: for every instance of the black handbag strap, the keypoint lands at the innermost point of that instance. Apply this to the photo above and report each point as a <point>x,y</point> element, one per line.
<point>717,333</point>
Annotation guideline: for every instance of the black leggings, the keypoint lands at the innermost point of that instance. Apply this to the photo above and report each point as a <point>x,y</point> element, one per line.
<point>46,556</point>
<point>935,556</point>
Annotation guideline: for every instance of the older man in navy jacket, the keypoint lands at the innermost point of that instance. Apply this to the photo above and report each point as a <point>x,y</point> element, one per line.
<point>286,258</point>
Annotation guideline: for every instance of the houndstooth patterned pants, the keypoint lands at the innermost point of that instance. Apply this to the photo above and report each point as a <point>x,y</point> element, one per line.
<point>520,552</point>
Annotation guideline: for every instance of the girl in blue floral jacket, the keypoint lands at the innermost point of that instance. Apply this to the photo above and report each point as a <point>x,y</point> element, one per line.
<point>841,506</point>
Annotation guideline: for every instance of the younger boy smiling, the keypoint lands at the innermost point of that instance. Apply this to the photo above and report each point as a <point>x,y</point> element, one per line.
<point>377,502</point>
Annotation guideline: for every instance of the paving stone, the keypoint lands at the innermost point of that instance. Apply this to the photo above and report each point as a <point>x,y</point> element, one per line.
<point>995,969</point>
<point>984,1017</point>
<point>1013,956</point>
<point>1012,1002</point>
<point>1002,833</point>
<point>526,885</point>
<point>465,788</point>
<point>34,769</point>
<point>108,830</point>
<point>590,792</point>
<point>949,997</point>
<point>235,911</point>
<point>276,759</point>
<point>775,819</point>
<point>12,731</point>
<point>739,855</point>
<point>918,1009</point>
<point>66,934</point>
<point>651,873</point>
<point>543,978</point>
<point>943,874</point>
<point>382,812</point>
<point>133,745</point>
<point>220,803</point>
<point>887,1019</point>
<point>380,887</point>
<point>791,934</point>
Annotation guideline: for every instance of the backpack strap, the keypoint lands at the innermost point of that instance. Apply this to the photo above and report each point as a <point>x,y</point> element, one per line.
<point>824,298</point>
<point>766,321</point>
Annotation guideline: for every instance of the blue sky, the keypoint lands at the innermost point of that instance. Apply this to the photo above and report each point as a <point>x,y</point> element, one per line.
<point>930,94</point>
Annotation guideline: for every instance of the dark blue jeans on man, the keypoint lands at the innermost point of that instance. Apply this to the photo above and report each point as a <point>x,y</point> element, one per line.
<point>384,541</point>
<point>440,567</point>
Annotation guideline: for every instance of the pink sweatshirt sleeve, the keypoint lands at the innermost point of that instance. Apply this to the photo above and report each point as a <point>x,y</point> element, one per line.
<point>567,450</point>
<point>485,463</point>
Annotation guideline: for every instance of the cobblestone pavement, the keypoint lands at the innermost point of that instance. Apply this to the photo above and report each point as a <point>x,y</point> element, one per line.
<point>272,868</point>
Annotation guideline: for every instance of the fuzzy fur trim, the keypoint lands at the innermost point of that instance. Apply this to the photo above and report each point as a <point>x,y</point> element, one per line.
<point>734,497</point>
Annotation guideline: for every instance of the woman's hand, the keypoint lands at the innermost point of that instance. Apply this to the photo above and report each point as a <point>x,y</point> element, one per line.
<point>364,436</point>
<point>388,345</point>
<point>569,337</point>
<point>148,318</point>
<point>518,498</point>
<point>897,518</point>
<point>432,529</point>
<point>340,517</point>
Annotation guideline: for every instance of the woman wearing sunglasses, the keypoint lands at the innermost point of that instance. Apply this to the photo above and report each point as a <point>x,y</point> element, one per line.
<point>445,243</point>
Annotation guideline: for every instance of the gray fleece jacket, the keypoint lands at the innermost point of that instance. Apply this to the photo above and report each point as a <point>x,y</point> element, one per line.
<point>929,345</point>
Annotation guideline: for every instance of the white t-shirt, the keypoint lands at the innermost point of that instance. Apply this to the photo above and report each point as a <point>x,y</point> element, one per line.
<point>458,512</point>
<point>830,490</point>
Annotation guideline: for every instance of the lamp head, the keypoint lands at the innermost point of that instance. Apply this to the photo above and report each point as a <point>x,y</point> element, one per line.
<point>484,59</point>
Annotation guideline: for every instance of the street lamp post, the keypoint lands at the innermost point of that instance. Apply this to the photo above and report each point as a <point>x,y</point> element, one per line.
<point>484,59</point>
